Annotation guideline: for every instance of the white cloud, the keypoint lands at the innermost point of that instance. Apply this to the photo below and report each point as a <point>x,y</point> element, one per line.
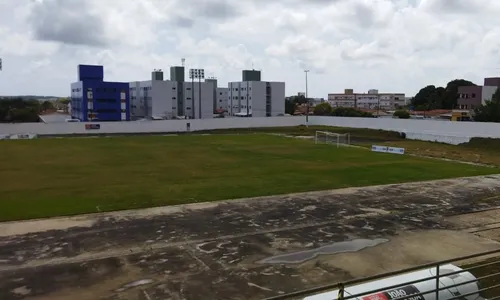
<point>391,45</point>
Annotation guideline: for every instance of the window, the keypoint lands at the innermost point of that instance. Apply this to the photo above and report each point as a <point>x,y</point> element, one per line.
<point>173,87</point>
<point>188,108</point>
<point>188,88</point>
<point>173,98</point>
<point>220,93</point>
<point>473,95</point>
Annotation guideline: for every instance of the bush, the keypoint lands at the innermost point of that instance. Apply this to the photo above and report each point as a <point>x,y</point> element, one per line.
<point>323,109</point>
<point>350,112</point>
<point>402,114</point>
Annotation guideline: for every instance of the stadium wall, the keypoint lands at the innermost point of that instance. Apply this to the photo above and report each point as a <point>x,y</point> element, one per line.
<point>426,130</point>
<point>163,126</point>
<point>440,131</point>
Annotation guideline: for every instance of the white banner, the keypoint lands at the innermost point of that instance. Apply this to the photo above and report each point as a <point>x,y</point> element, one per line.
<point>376,148</point>
<point>396,150</point>
<point>385,149</point>
<point>26,136</point>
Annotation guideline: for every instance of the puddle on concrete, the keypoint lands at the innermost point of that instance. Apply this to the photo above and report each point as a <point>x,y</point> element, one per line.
<point>134,284</point>
<point>335,248</point>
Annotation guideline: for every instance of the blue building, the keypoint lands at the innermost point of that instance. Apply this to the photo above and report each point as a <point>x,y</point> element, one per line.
<point>93,99</point>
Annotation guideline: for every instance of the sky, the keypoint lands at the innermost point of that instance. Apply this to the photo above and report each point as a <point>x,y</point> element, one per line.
<point>389,45</point>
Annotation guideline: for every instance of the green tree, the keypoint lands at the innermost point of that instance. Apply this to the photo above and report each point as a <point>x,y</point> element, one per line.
<point>490,111</point>
<point>402,114</point>
<point>19,110</point>
<point>323,109</point>
<point>432,97</point>
<point>65,101</point>
<point>290,107</point>
<point>351,112</point>
<point>292,102</point>
<point>450,95</point>
<point>46,105</point>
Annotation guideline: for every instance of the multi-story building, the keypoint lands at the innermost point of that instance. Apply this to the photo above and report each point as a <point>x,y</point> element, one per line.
<point>371,100</point>
<point>256,98</point>
<point>346,99</point>
<point>93,99</point>
<point>222,98</point>
<point>153,98</point>
<point>470,97</point>
<point>198,100</point>
<point>252,97</point>
<point>166,99</point>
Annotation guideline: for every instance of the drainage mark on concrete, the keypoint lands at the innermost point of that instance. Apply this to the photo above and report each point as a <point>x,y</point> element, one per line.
<point>134,284</point>
<point>335,248</point>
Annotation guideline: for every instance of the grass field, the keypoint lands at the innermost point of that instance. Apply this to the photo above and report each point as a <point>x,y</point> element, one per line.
<point>52,177</point>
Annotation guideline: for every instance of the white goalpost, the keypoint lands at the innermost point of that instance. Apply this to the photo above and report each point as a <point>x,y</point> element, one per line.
<point>332,138</point>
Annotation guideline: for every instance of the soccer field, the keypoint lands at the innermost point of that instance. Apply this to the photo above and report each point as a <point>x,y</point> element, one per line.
<point>52,177</point>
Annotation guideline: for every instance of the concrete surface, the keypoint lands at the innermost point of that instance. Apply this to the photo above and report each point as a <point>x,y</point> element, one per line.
<point>219,250</point>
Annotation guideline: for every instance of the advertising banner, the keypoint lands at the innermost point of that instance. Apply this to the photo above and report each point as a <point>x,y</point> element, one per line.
<point>385,149</point>
<point>382,149</point>
<point>92,126</point>
<point>395,150</point>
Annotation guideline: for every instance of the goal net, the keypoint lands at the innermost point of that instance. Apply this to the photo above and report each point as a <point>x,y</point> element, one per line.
<point>332,138</point>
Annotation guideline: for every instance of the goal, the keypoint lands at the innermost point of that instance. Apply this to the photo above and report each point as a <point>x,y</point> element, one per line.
<point>332,138</point>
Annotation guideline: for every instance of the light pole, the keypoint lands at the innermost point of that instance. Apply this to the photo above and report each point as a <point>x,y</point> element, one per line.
<point>196,74</point>
<point>307,101</point>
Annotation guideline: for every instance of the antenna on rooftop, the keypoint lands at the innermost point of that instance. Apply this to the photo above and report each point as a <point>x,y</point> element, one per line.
<point>183,61</point>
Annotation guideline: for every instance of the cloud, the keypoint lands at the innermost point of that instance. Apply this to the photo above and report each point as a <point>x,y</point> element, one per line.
<point>69,22</point>
<point>391,45</point>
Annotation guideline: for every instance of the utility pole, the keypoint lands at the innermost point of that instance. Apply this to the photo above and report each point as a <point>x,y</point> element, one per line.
<point>198,74</point>
<point>191,76</point>
<point>247,102</point>
<point>199,97</point>
<point>307,100</point>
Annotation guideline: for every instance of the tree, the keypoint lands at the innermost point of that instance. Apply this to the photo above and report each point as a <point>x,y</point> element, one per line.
<point>19,110</point>
<point>490,111</point>
<point>351,112</point>
<point>292,102</point>
<point>432,97</point>
<point>65,101</point>
<point>402,114</point>
<point>46,105</point>
<point>323,109</point>
<point>290,107</point>
<point>450,96</point>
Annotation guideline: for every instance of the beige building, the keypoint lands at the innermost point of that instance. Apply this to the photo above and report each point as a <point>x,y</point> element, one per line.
<point>371,100</point>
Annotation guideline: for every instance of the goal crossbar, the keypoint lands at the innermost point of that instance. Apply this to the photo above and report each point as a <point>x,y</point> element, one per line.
<point>332,138</point>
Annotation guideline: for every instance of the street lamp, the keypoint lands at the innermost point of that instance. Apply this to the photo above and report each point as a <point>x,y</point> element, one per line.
<point>196,74</point>
<point>307,101</point>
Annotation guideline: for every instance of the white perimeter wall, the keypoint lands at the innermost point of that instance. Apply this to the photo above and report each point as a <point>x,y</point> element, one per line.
<point>441,131</point>
<point>148,126</point>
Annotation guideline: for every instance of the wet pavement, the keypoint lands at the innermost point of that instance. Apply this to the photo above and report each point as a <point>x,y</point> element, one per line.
<point>242,249</point>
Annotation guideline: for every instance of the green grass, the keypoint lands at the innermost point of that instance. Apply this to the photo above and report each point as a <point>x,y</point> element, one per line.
<point>52,177</point>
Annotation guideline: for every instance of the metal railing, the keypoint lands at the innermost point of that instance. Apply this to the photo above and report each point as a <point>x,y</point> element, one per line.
<point>485,262</point>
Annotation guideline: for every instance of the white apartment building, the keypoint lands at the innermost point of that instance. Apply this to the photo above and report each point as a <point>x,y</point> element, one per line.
<point>257,98</point>
<point>222,98</point>
<point>371,100</point>
<point>198,100</point>
<point>158,99</point>
<point>153,99</point>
